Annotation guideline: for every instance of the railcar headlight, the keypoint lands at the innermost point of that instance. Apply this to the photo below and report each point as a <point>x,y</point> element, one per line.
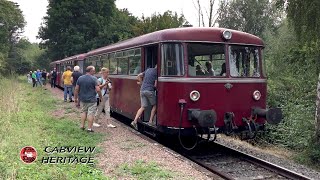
<point>227,34</point>
<point>194,95</point>
<point>256,95</point>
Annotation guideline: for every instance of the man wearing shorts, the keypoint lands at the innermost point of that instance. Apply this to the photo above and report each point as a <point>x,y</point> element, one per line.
<point>147,93</point>
<point>87,87</point>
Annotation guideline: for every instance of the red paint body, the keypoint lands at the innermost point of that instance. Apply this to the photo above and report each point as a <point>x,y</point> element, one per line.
<point>125,95</point>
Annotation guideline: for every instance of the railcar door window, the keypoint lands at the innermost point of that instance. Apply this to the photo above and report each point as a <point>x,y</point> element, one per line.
<point>205,59</point>
<point>135,61</point>
<point>172,60</point>
<point>244,61</point>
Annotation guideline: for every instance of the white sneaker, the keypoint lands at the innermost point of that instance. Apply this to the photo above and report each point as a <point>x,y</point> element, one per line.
<point>111,126</point>
<point>96,125</point>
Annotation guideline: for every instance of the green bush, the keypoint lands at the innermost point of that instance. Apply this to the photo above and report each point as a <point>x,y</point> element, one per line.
<point>292,81</point>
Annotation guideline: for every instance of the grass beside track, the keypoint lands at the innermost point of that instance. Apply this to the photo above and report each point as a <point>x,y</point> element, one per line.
<point>26,121</point>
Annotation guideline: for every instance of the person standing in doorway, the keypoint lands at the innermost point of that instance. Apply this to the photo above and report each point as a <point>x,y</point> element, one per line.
<point>147,94</point>
<point>87,87</point>
<point>75,76</point>
<point>105,85</point>
<point>53,78</point>
<point>67,84</point>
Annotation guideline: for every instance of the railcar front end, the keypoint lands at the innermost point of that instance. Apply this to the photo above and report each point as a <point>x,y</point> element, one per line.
<point>208,87</point>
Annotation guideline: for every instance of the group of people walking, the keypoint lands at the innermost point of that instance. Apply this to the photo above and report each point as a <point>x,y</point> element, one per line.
<point>89,92</point>
<point>92,93</point>
<point>38,77</point>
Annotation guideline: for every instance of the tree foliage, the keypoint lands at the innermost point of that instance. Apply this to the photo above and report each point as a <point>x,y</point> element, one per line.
<point>158,22</point>
<point>305,17</point>
<point>25,56</point>
<point>123,25</point>
<point>76,26</point>
<point>250,16</point>
<point>12,24</point>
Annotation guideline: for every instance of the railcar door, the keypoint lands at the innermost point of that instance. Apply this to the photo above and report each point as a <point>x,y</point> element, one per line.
<point>151,58</point>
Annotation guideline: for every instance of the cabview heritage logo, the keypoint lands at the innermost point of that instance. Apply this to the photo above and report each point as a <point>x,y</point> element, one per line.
<point>60,155</point>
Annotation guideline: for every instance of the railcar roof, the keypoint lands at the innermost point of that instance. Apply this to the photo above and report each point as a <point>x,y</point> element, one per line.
<point>195,34</point>
<point>75,57</point>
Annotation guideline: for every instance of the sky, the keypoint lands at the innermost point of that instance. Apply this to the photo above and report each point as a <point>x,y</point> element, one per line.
<point>35,10</point>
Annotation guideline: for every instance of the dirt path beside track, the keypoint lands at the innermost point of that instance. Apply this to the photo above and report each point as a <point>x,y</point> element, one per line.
<point>122,149</point>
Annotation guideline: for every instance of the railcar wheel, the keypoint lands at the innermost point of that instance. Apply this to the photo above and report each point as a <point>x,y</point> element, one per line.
<point>251,132</point>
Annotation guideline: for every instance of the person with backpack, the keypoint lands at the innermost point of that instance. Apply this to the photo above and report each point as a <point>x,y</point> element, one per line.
<point>75,76</point>
<point>53,78</point>
<point>105,85</point>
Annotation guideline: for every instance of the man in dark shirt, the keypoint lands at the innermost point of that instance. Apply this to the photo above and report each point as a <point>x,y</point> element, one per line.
<point>44,77</point>
<point>147,93</point>
<point>53,78</point>
<point>75,76</point>
<point>87,87</point>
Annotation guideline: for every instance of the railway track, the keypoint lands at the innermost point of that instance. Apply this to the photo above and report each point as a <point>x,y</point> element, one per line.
<point>225,162</point>
<point>230,163</point>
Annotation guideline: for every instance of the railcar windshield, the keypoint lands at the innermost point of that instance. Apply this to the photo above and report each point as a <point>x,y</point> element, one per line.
<point>206,60</point>
<point>244,61</point>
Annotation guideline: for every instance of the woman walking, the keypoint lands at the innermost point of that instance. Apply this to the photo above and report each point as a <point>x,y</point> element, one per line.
<point>105,85</point>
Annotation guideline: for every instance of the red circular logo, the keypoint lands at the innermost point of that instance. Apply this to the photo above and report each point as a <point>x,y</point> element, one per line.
<point>28,154</point>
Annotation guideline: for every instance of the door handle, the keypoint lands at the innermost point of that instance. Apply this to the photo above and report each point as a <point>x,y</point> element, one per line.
<point>228,86</point>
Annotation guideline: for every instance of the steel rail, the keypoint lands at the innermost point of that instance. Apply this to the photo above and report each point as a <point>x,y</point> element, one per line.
<point>267,165</point>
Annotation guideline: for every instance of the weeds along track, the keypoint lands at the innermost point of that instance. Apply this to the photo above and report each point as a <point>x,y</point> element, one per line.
<point>223,161</point>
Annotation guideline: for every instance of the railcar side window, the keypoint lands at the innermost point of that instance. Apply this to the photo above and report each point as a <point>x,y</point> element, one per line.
<point>135,61</point>
<point>172,60</point>
<point>94,61</point>
<point>244,61</point>
<point>105,61</point>
<point>123,63</point>
<point>206,59</point>
<point>113,63</point>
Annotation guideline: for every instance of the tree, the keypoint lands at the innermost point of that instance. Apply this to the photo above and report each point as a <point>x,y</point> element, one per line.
<point>158,22</point>
<point>211,17</point>
<point>123,25</point>
<point>304,16</point>
<point>12,24</point>
<point>76,26</point>
<point>250,16</point>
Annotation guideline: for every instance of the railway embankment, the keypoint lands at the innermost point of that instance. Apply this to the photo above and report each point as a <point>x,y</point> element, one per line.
<point>124,155</point>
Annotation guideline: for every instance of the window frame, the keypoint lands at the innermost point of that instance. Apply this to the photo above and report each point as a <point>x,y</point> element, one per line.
<point>259,60</point>
<point>210,43</point>
<point>182,59</point>
<point>135,50</point>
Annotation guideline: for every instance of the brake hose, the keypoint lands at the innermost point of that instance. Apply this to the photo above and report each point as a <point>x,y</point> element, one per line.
<point>179,136</point>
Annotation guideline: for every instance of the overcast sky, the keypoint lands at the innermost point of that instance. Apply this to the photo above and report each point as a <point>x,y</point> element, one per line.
<point>35,10</point>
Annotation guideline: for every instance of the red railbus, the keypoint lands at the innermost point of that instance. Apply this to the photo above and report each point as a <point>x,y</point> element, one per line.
<point>209,80</point>
<point>61,66</point>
